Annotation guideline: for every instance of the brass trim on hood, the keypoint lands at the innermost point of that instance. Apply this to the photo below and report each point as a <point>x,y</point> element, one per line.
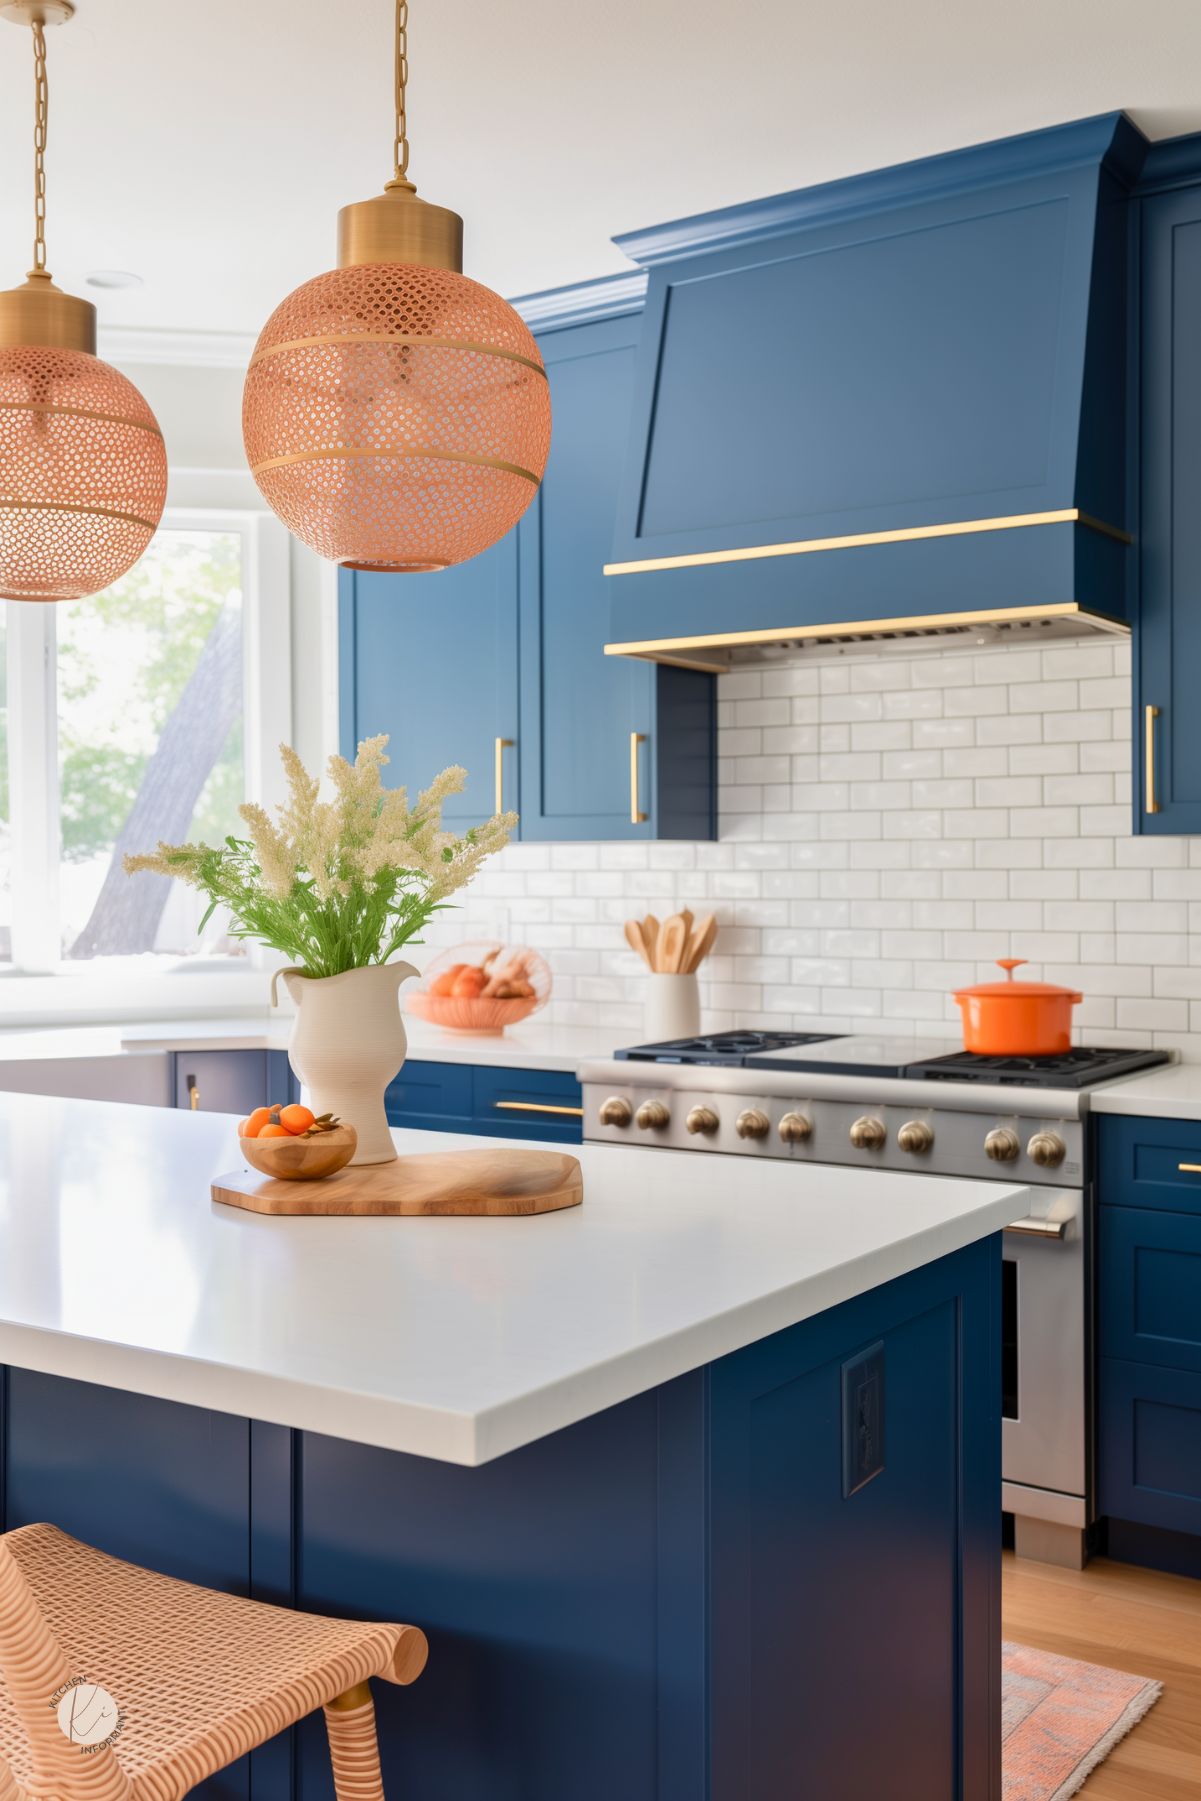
<point>689,652</point>
<point>903,534</point>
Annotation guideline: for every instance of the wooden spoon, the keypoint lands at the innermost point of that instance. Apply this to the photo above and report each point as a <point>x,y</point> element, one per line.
<point>636,942</point>
<point>650,934</point>
<point>700,942</point>
<point>672,941</point>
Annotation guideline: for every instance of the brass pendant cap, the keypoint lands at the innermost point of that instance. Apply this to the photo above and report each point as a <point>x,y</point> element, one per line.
<point>397,227</point>
<point>41,316</point>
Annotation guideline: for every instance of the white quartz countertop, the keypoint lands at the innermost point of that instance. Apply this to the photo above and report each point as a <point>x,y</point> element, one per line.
<point>533,1045</point>
<point>457,1339</point>
<point>1173,1091</point>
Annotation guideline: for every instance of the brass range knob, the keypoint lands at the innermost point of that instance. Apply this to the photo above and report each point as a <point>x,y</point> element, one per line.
<point>1003,1145</point>
<point>702,1119</point>
<point>868,1134</point>
<point>653,1115</point>
<point>1047,1149</point>
<point>916,1135</point>
<point>794,1128</point>
<point>752,1122</point>
<point>616,1111</point>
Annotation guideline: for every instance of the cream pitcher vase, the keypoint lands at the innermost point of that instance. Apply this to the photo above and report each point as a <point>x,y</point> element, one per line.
<point>348,1042</point>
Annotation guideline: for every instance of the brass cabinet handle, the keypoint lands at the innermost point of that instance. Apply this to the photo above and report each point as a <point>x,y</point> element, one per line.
<point>502,745</point>
<point>193,1094</point>
<point>1190,1169</point>
<point>1150,715</point>
<point>636,816</point>
<point>537,1107</point>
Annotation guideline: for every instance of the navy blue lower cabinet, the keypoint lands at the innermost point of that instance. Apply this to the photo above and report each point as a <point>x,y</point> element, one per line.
<point>230,1081</point>
<point>1150,1445</point>
<point>488,1099</point>
<point>431,1097</point>
<point>777,1575</point>
<point>1150,1299</point>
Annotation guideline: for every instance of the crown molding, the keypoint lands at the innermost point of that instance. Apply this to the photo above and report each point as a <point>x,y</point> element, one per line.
<point>608,297</point>
<point>1172,163</point>
<point>159,344</point>
<point>1109,140</point>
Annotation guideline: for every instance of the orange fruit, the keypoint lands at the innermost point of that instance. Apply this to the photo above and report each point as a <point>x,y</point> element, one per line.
<point>296,1119</point>
<point>244,1129</point>
<point>255,1122</point>
<point>274,1132</point>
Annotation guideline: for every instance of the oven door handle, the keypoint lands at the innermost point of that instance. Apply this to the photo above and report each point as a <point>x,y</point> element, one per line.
<point>1039,1228</point>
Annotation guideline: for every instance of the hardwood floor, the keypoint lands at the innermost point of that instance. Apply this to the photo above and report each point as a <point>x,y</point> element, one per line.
<point>1130,1619</point>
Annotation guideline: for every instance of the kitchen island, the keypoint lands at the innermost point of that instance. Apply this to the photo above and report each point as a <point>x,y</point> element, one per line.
<point>694,1488</point>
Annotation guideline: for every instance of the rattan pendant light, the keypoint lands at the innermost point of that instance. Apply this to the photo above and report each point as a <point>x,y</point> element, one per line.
<point>83,472</point>
<point>396,415</point>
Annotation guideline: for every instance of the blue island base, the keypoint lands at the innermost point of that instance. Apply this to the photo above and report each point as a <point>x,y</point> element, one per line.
<point>702,1594</point>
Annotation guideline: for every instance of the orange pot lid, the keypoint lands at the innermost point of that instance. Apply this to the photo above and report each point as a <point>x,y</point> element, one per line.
<point>1011,990</point>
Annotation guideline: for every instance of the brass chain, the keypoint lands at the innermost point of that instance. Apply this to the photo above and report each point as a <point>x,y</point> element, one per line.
<point>41,105</point>
<point>400,146</point>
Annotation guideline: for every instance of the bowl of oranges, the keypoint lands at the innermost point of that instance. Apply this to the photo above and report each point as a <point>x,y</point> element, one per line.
<point>481,988</point>
<point>294,1144</point>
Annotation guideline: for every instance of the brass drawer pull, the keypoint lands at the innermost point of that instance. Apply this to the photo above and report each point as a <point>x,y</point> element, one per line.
<point>637,817</point>
<point>1150,715</point>
<point>1039,1228</point>
<point>1190,1169</point>
<point>537,1107</point>
<point>502,745</point>
<point>193,1094</point>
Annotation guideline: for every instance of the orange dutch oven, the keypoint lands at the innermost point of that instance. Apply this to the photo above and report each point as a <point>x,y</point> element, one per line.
<point>1016,1019</point>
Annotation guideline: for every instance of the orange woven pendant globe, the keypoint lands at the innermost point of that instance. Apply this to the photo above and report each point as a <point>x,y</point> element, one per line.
<point>396,417</point>
<point>83,474</point>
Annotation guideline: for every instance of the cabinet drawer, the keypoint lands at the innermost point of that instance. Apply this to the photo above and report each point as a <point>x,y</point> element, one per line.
<point>434,1097</point>
<point>223,1081</point>
<point>528,1103</point>
<point>1149,1441</point>
<point>1140,1162</point>
<point>1150,1294</point>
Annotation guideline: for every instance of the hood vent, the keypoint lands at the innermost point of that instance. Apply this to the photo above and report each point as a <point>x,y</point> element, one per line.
<point>890,408</point>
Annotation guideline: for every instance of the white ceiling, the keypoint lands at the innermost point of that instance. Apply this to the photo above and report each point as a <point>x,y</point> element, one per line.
<point>207,146</point>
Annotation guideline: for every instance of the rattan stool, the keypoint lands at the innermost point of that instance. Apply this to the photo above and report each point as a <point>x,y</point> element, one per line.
<point>200,1678</point>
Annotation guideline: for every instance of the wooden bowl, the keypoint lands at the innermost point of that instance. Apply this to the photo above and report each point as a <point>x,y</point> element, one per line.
<point>301,1159</point>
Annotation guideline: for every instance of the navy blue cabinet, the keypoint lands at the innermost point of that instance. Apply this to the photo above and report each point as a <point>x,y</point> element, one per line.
<point>232,1081</point>
<point>499,664</point>
<point>1168,644</point>
<point>1149,1318</point>
<point>496,1101</point>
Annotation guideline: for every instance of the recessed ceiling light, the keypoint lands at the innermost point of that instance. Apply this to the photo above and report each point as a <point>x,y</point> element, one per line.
<point>112,278</point>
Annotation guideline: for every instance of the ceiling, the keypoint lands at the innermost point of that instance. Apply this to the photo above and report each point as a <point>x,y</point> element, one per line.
<point>207,147</point>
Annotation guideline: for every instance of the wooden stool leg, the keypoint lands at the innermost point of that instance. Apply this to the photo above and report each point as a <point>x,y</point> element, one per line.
<point>353,1746</point>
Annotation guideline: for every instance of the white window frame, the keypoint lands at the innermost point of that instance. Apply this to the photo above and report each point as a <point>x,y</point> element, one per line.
<point>39,983</point>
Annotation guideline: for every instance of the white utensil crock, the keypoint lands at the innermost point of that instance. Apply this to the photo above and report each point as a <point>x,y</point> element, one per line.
<point>673,1007</point>
<point>348,1042</point>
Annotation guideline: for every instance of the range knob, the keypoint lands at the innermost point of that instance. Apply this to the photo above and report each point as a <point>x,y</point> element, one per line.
<point>653,1114</point>
<point>616,1111</point>
<point>794,1128</point>
<point>1003,1145</point>
<point>702,1119</point>
<point>916,1135</point>
<point>1047,1149</point>
<point>752,1122</point>
<point>868,1134</point>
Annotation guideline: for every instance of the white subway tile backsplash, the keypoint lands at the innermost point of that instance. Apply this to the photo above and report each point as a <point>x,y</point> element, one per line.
<point>890,824</point>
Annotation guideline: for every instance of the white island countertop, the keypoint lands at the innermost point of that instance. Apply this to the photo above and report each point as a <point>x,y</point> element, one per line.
<point>1173,1091</point>
<point>457,1339</point>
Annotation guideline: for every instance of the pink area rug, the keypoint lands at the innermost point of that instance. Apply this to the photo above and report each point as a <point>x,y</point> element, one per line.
<point>1061,1718</point>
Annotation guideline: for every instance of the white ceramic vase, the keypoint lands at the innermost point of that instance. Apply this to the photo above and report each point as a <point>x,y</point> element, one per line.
<point>348,1042</point>
<point>673,1007</point>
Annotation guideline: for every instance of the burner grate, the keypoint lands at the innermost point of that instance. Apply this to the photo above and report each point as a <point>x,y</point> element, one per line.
<point>1078,1068</point>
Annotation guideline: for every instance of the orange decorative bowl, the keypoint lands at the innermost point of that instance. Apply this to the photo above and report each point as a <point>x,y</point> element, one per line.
<point>481,988</point>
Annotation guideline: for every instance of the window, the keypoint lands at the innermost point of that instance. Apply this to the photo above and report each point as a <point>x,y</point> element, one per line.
<point>148,712</point>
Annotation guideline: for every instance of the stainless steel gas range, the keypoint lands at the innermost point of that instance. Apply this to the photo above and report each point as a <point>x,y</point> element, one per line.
<point>910,1104</point>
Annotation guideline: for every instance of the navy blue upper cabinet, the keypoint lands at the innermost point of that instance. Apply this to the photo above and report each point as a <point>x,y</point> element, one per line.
<point>933,346</point>
<point>500,662</point>
<point>602,738</point>
<point>432,661</point>
<point>1169,636</point>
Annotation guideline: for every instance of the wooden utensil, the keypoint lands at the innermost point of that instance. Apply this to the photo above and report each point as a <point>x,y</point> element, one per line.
<point>671,944</point>
<point>636,941</point>
<point>452,1182</point>
<point>700,942</point>
<point>650,933</point>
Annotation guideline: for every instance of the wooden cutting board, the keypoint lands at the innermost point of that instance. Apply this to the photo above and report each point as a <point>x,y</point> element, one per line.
<point>497,1183</point>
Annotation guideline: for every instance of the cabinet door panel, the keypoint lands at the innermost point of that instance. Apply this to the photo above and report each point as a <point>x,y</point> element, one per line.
<point>432,661</point>
<point>1149,1437</point>
<point>223,1081</point>
<point>1151,1287</point>
<point>579,707</point>
<point>1169,637</point>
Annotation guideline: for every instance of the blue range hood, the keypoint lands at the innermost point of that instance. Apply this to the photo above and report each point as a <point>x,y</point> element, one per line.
<point>892,406</point>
